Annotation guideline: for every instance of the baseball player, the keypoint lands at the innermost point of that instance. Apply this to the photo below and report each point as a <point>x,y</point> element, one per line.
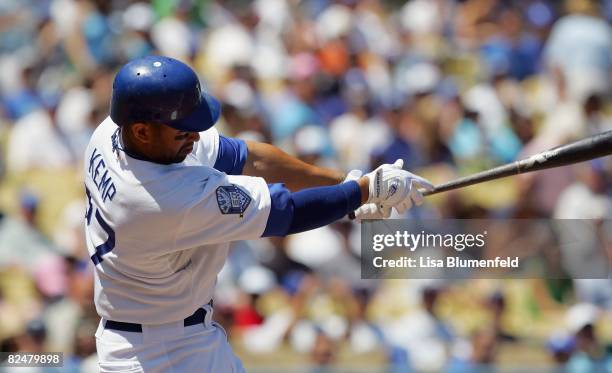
<point>165,196</point>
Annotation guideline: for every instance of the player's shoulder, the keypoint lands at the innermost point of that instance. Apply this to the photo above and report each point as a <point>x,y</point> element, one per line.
<point>209,138</point>
<point>104,130</point>
<point>210,134</point>
<point>197,176</point>
<point>179,188</point>
<point>107,125</point>
<point>100,141</point>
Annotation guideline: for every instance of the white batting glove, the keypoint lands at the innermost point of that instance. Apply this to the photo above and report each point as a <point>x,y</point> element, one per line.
<point>390,186</point>
<point>368,210</point>
<point>353,175</point>
<point>371,211</point>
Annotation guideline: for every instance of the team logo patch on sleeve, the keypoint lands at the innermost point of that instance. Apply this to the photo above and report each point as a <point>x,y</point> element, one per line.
<point>232,200</point>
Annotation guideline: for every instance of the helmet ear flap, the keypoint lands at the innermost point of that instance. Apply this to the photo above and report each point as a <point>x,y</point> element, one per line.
<point>162,90</point>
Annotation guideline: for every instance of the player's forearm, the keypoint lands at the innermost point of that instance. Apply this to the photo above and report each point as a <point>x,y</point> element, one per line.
<point>276,166</point>
<point>313,207</point>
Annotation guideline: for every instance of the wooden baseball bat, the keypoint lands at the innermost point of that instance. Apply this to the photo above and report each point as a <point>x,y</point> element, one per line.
<point>599,145</point>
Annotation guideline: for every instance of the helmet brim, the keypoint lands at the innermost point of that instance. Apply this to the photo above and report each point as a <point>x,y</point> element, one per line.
<point>202,118</point>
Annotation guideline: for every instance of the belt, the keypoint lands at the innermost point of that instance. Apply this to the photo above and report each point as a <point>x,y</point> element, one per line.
<point>197,318</point>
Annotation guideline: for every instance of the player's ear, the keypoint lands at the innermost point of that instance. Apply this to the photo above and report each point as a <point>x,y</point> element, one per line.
<point>142,132</point>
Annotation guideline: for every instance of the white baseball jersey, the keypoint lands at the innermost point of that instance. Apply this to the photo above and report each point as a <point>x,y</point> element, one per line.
<point>159,234</point>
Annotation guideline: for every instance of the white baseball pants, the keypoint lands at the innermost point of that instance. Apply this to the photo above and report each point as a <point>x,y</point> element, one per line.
<point>170,347</point>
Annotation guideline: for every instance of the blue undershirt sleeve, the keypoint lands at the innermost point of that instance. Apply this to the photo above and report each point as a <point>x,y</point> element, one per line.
<point>231,156</point>
<point>309,208</point>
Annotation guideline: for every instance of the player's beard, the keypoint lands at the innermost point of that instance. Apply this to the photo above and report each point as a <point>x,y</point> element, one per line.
<point>175,158</point>
<point>183,152</point>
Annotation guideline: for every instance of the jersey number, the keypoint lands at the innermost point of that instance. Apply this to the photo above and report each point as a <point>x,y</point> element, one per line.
<point>107,245</point>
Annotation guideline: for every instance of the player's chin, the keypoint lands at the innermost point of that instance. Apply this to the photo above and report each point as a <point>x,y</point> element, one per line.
<point>186,150</point>
<point>183,153</point>
<point>179,158</point>
<point>176,158</point>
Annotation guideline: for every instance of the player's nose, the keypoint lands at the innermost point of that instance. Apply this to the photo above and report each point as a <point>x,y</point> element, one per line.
<point>194,136</point>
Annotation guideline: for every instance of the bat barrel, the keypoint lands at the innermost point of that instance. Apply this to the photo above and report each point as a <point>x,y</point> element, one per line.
<point>596,146</point>
<point>592,147</point>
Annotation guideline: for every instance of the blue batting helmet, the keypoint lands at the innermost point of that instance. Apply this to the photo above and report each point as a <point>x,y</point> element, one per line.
<point>156,89</point>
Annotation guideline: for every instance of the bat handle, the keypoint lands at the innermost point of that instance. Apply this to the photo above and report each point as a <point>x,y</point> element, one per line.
<point>424,192</point>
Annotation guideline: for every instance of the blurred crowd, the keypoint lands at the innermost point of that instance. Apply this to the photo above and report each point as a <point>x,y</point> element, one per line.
<point>450,87</point>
